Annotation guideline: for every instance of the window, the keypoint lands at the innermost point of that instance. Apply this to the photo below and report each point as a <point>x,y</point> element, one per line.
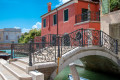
<point>66,15</point>
<point>44,23</point>
<point>18,37</point>
<point>84,14</point>
<point>6,37</point>
<point>54,19</point>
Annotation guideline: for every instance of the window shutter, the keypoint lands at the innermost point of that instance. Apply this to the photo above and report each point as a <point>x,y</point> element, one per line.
<point>66,15</point>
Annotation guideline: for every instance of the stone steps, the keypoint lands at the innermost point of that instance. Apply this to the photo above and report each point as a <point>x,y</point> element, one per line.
<point>20,65</point>
<point>6,75</point>
<point>1,78</point>
<point>20,74</point>
<point>24,61</point>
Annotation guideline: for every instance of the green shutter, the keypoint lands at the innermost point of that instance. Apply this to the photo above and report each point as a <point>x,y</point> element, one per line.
<point>55,19</point>
<point>44,23</point>
<point>66,15</point>
<point>105,6</point>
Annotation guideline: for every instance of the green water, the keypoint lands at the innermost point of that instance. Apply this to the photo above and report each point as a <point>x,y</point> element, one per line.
<point>63,75</point>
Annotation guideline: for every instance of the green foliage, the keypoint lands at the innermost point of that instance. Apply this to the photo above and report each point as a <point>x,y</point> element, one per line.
<point>114,5</point>
<point>26,37</point>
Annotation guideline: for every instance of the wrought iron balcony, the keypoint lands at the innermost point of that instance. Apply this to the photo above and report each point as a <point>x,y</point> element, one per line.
<point>89,16</point>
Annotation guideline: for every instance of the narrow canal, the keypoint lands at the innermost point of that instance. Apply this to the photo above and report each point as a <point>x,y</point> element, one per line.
<point>63,75</point>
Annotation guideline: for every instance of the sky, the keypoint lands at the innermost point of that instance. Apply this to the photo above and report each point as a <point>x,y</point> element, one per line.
<point>24,14</point>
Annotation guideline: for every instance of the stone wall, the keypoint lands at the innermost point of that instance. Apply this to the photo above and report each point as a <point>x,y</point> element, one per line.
<point>107,19</point>
<point>110,24</point>
<point>47,72</point>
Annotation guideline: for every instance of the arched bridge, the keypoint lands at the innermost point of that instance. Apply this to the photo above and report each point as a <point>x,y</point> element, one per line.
<point>96,49</point>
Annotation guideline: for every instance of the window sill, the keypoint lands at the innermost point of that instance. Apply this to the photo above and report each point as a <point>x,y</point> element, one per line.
<point>86,22</point>
<point>65,21</point>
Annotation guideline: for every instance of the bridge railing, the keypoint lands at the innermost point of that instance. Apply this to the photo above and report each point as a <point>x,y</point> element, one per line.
<point>52,46</point>
<point>86,38</point>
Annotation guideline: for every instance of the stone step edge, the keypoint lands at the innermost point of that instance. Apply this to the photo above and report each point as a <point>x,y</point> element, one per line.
<point>19,66</point>
<point>23,61</point>
<point>16,74</point>
<point>2,76</point>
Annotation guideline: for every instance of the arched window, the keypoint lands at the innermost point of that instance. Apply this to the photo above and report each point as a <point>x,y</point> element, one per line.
<point>6,37</point>
<point>78,36</point>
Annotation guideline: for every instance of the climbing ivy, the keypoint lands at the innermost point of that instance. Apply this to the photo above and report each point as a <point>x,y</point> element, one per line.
<point>114,5</point>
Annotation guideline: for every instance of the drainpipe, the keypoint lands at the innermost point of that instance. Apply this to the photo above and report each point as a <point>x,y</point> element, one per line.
<point>57,21</point>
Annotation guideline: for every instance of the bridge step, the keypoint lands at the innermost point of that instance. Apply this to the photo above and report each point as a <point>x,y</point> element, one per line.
<point>20,74</point>
<point>24,60</point>
<point>6,75</point>
<point>20,65</point>
<point>1,78</point>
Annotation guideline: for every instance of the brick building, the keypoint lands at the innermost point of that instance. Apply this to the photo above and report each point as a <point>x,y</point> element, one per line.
<point>71,16</point>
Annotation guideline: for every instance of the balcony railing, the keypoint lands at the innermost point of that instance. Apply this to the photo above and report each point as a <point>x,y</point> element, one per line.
<point>89,16</point>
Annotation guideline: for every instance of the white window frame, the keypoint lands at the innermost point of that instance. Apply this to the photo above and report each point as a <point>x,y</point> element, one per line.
<point>43,23</point>
<point>53,19</point>
<point>68,15</point>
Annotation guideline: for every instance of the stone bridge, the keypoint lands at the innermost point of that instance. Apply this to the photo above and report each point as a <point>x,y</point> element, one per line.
<point>97,51</point>
<point>94,58</point>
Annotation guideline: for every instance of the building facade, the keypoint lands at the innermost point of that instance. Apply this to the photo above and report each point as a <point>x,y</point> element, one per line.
<point>73,15</point>
<point>9,35</point>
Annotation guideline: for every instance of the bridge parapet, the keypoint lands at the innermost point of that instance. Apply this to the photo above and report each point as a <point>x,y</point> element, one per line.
<point>52,46</point>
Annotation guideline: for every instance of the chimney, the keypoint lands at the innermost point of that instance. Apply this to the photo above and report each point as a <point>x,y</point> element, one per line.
<point>49,6</point>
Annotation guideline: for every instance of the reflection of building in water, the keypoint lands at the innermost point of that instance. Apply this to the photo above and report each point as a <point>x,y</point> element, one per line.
<point>9,35</point>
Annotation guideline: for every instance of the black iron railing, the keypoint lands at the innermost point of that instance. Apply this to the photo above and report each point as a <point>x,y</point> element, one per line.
<point>89,16</point>
<point>52,46</point>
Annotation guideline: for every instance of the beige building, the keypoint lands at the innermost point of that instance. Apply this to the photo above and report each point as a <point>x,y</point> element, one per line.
<point>1,35</point>
<point>110,23</point>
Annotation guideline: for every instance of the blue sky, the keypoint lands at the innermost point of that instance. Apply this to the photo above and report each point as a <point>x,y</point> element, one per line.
<point>24,14</point>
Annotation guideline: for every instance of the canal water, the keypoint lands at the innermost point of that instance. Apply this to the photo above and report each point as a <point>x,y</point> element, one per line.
<point>63,75</point>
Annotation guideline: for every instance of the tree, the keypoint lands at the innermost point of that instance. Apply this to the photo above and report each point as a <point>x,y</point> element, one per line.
<point>25,38</point>
<point>114,5</point>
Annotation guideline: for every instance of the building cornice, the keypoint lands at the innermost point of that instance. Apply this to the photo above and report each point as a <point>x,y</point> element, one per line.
<point>60,7</point>
<point>65,5</point>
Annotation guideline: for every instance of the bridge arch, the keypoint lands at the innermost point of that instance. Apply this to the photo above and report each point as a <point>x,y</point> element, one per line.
<point>81,52</point>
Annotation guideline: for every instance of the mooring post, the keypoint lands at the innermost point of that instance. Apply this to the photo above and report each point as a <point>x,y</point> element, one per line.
<point>58,53</point>
<point>74,72</point>
<point>30,53</point>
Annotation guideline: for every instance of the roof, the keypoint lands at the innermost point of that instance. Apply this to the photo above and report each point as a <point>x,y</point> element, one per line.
<point>1,30</point>
<point>67,3</point>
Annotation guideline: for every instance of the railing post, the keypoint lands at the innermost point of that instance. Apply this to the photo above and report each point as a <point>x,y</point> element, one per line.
<point>12,48</point>
<point>58,56</point>
<point>30,53</point>
<point>58,46</point>
<point>82,36</point>
<point>100,38</point>
<point>116,47</point>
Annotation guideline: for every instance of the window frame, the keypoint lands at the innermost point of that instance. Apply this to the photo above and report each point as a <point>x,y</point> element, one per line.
<point>64,16</point>
<point>44,26</point>
<point>53,19</point>
<point>6,38</point>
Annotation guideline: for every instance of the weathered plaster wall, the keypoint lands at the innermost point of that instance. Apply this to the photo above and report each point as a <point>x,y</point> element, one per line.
<point>107,19</point>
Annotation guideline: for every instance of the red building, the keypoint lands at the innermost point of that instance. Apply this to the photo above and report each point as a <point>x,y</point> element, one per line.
<point>71,16</point>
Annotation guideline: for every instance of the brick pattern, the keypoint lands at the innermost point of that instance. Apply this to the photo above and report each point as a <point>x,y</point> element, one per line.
<point>47,72</point>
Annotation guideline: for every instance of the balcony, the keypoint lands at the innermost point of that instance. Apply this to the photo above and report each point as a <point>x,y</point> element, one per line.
<point>89,16</point>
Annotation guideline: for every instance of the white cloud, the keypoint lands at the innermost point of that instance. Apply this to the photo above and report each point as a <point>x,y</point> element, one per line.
<point>25,30</point>
<point>62,2</point>
<point>37,25</point>
<point>17,27</point>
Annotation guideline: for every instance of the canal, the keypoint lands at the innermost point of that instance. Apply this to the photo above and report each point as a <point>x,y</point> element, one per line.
<point>91,75</point>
